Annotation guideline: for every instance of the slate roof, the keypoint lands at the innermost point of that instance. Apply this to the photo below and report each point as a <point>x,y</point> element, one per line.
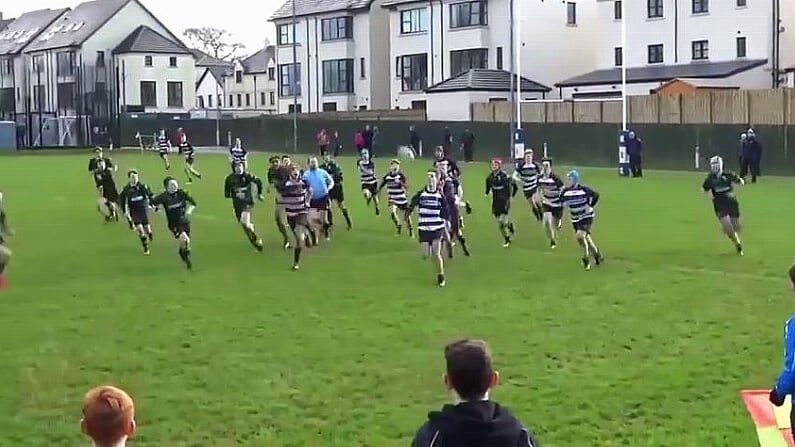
<point>25,28</point>
<point>220,72</point>
<point>216,73</point>
<point>660,73</point>
<point>388,3</point>
<point>311,7</point>
<point>484,80</point>
<point>4,23</point>
<point>258,62</point>
<point>147,40</point>
<point>77,25</point>
<point>205,60</point>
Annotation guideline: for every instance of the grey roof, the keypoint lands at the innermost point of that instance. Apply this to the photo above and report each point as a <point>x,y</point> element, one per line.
<point>4,23</point>
<point>484,80</point>
<point>205,60</point>
<point>217,72</point>
<point>220,72</point>
<point>388,3</point>
<point>258,62</point>
<point>311,7</point>
<point>25,28</point>
<point>659,73</point>
<point>77,25</point>
<point>147,40</point>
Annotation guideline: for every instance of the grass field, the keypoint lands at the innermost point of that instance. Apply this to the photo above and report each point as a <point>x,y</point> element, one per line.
<point>650,349</point>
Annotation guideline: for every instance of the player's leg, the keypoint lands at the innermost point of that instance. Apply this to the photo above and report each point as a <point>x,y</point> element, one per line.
<point>535,202</point>
<point>589,242</point>
<point>5,258</point>
<point>582,240</point>
<point>505,226</point>
<point>248,228</point>
<point>438,260</point>
<point>191,166</point>
<point>550,227</point>
<point>280,219</point>
<point>184,247</point>
<point>301,233</point>
<point>394,216</point>
<point>406,217</point>
<point>166,163</point>
<point>140,230</point>
<point>731,227</point>
<point>344,209</point>
<point>102,207</point>
<point>375,200</point>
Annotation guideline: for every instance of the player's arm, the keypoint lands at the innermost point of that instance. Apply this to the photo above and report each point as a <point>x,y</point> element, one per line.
<point>191,203</point>
<point>404,181</point>
<point>454,168</point>
<point>381,185</point>
<point>123,199</point>
<point>309,192</point>
<point>488,184</point>
<point>328,179</point>
<point>736,178</point>
<point>706,187</point>
<point>444,213</point>
<point>156,201</point>
<point>228,187</point>
<point>593,197</point>
<point>415,200</point>
<point>786,380</point>
<point>514,185</point>
<point>260,187</point>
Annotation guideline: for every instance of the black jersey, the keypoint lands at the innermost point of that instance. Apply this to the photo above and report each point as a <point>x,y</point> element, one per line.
<point>721,185</point>
<point>94,162</point>
<point>452,166</point>
<point>500,185</point>
<point>334,171</point>
<point>175,204</point>
<point>275,176</point>
<point>104,178</point>
<point>240,188</point>
<point>135,199</point>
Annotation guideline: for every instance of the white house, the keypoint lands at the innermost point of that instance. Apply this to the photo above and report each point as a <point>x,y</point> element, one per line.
<point>13,40</point>
<point>210,73</point>
<point>155,73</point>
<point>434,41</point>
<point>731,40</point>
<point>342,55</point>
<point>251,84</point>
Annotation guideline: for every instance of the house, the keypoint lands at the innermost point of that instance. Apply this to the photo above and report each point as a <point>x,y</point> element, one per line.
<point>341,50</point>
<point>450,100</point>
<point>13,80</point>
<point>74,82</point>
<point>155,73</point>
<point>434,41</point>
<point>210,73</point>
<point>733,41</point>
<point>252,82</point>
<point>689,87</point>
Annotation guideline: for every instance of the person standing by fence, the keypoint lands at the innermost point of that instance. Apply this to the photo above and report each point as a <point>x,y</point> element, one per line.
<point>468,145</point>
<point>447,141</point>
<point>359,141</point>
<point>323,142</point>
<point>751,156</point>
<point>415,141</point>
<point>368,139</point>
<point>634,151</point>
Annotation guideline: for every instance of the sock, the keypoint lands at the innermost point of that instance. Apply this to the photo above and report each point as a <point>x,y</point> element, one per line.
<point>313,237</point>
<point>395,220</point>
<point>151,236</point>
<point>537,213</point>
<point>282,230</point>
<point>449,246</point>
<point>144,243</point>
<point>464,245</point>
<point>184,254</point>
<point>296,255</point>
<point>346,216</point>
<point>503,228</point>
<point>440,278</point>
<point>330,217</point>
<point>326,228</point>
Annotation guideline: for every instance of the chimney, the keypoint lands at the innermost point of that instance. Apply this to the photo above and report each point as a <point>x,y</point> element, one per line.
<point>1,15</point>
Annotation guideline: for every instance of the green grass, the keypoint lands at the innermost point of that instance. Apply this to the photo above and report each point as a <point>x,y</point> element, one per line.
<point>649,350</point>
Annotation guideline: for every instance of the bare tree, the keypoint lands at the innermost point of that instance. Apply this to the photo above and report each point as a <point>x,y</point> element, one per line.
<point>213,41</point>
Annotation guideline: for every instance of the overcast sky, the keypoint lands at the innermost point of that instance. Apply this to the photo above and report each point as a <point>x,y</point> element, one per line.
<point>247,20</point>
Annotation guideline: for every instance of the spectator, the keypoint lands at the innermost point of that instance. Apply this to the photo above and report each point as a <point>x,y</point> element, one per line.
<point>468,145</point>
<point>108,416</point>
<point>375,140</point>
<point>634,151</point>
<point>323,142</point>
<point>368,139</point>
<point>447,141</point>
<point>415,142</point>
<point>473,419</point>
<point>337,144</point>
<point>359,141</point>
<point>751,157</point>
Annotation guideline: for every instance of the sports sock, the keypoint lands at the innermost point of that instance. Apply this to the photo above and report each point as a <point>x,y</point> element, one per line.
<point>296,255</point>
<point>346,216</point>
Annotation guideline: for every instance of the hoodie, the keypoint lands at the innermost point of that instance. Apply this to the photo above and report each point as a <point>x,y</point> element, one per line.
<point>473,424</point>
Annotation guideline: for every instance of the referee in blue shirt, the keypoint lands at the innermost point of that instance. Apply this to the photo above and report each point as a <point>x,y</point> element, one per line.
<point>785,385</point>
<point>321,183</point>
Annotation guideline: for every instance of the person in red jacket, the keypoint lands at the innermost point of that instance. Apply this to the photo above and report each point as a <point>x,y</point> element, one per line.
<point>323,142</point>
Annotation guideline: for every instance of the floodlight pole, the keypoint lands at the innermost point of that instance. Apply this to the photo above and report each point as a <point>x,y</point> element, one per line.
<point>624,65</point>
<point>517,19</point>
<point>295,82</point>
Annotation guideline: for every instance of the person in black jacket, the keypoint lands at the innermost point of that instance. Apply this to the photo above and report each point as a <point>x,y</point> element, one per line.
<point>468,145</point>
<point>473,420</point>
<point>750,156</point>
<point>447,141</point>
<point>415,141</point>
<point>635,153</point>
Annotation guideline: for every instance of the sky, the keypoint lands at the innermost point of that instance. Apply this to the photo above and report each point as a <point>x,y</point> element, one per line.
<point>247,20</point>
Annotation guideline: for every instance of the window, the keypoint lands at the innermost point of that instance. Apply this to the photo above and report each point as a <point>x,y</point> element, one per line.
<point>39,96</point>
<point>238,77</point>
<point>248,100</point>
<point>38,63</point>
<point>147,61</point>
<point>414,21</point>
<point>655,9</point>
<point>240,100</point>
<point>700,6</point>
<point>618,56</point>
<point>499,58</point>
<point>201,102</point>
<point>741,3</point>
<point>149,93</point>
<point>469,14</point>
<point>571,13</point>
<point>100,59</point>
<point>6,66</point>
<point>742,48</point>
<point>337,28</point>
<point>272,98</point>
<point>329,106</point>
<point>413,72</point>
<point>220,102</point>
<point>291,108</point>
<point>465,60</point>
<point>419,105</point>
<point>617,9</point>
<point>231,103</point>
<point>656,54</point>
<point>262,98</point>
<point>66,63</point>
<point>700,50</point>
<point>66,96</point>
<point>271,73</point>
<point>175,94</point>
<point>210,101</point>
<point>338,76</point>
<point>286,34</point>
<point>290,79</point>
<point>172,61</point>
<point>362,68</point>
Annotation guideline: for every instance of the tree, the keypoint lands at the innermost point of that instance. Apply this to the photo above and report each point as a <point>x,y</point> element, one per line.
<point>213,41</point>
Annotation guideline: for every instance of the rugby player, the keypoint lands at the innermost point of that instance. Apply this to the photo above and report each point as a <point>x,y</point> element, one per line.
<point>108,416</point>
<point>99,155</point>
<point>448,187</point>
<point>337,193</point>
<point>396,184</point>
<point>368,180</point>
<point>187,151</point>
<point>719,185</point>
<point>552,209</point>
<point>277,174</point>
<point>163,148</point>
<point>238,186</point>
<point>135,198</point>
<point>5,252</point>
<point>432,211</point>
<point>581,200</point>
<point>453,171</point>
<point>178,205</point>
<point>527,173</point>
<point>502,188</point>
<point>295,193</point>
<point>109,195</point>
<point>320,183</point>
<point>238,154</point>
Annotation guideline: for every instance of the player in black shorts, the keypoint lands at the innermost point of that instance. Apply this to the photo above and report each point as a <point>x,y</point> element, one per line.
<point>719,185</point>
<point>178,205</point>
<point>187,151</point>
<point>502,188</point>
<point>135,199</point>
<point>295,193</point>
<point>337,193</point>
<point>109,195</point>
<point>163,148</point>
<point>276,175</point>
<point>369,182</point>
<point>550,187</point>
<point>239,186</point>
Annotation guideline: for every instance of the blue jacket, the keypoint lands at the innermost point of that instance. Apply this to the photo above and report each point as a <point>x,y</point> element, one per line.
<point>320,181</point>
<point>786,380</point>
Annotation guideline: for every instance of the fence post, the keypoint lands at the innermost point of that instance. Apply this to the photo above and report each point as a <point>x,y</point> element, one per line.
<point>698,157</point>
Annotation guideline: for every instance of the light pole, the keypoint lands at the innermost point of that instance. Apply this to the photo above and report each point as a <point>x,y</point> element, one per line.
<point>295,83</point>
<point>518,138</point>
<point>624,65</point>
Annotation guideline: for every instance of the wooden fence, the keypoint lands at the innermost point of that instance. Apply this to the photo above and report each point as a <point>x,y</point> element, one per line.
<point>362,115</point>
<point>748,107</point>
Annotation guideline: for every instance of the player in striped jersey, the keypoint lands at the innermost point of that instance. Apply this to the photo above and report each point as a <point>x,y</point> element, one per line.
<point>440,159</point>
<point>432,211</point>
<point>448,187</point>
<point>238,154</point>
<point>581,200</point>
<point>502,188</point>
<point>164,147</point>
<point>369,182</point>
<point>396,184</point>
<point>719,185</point>
<point>550,185</point>
<point>527,173</point>
<point>277,174</point>
<point>295,194</point>
<point>187,151</point>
